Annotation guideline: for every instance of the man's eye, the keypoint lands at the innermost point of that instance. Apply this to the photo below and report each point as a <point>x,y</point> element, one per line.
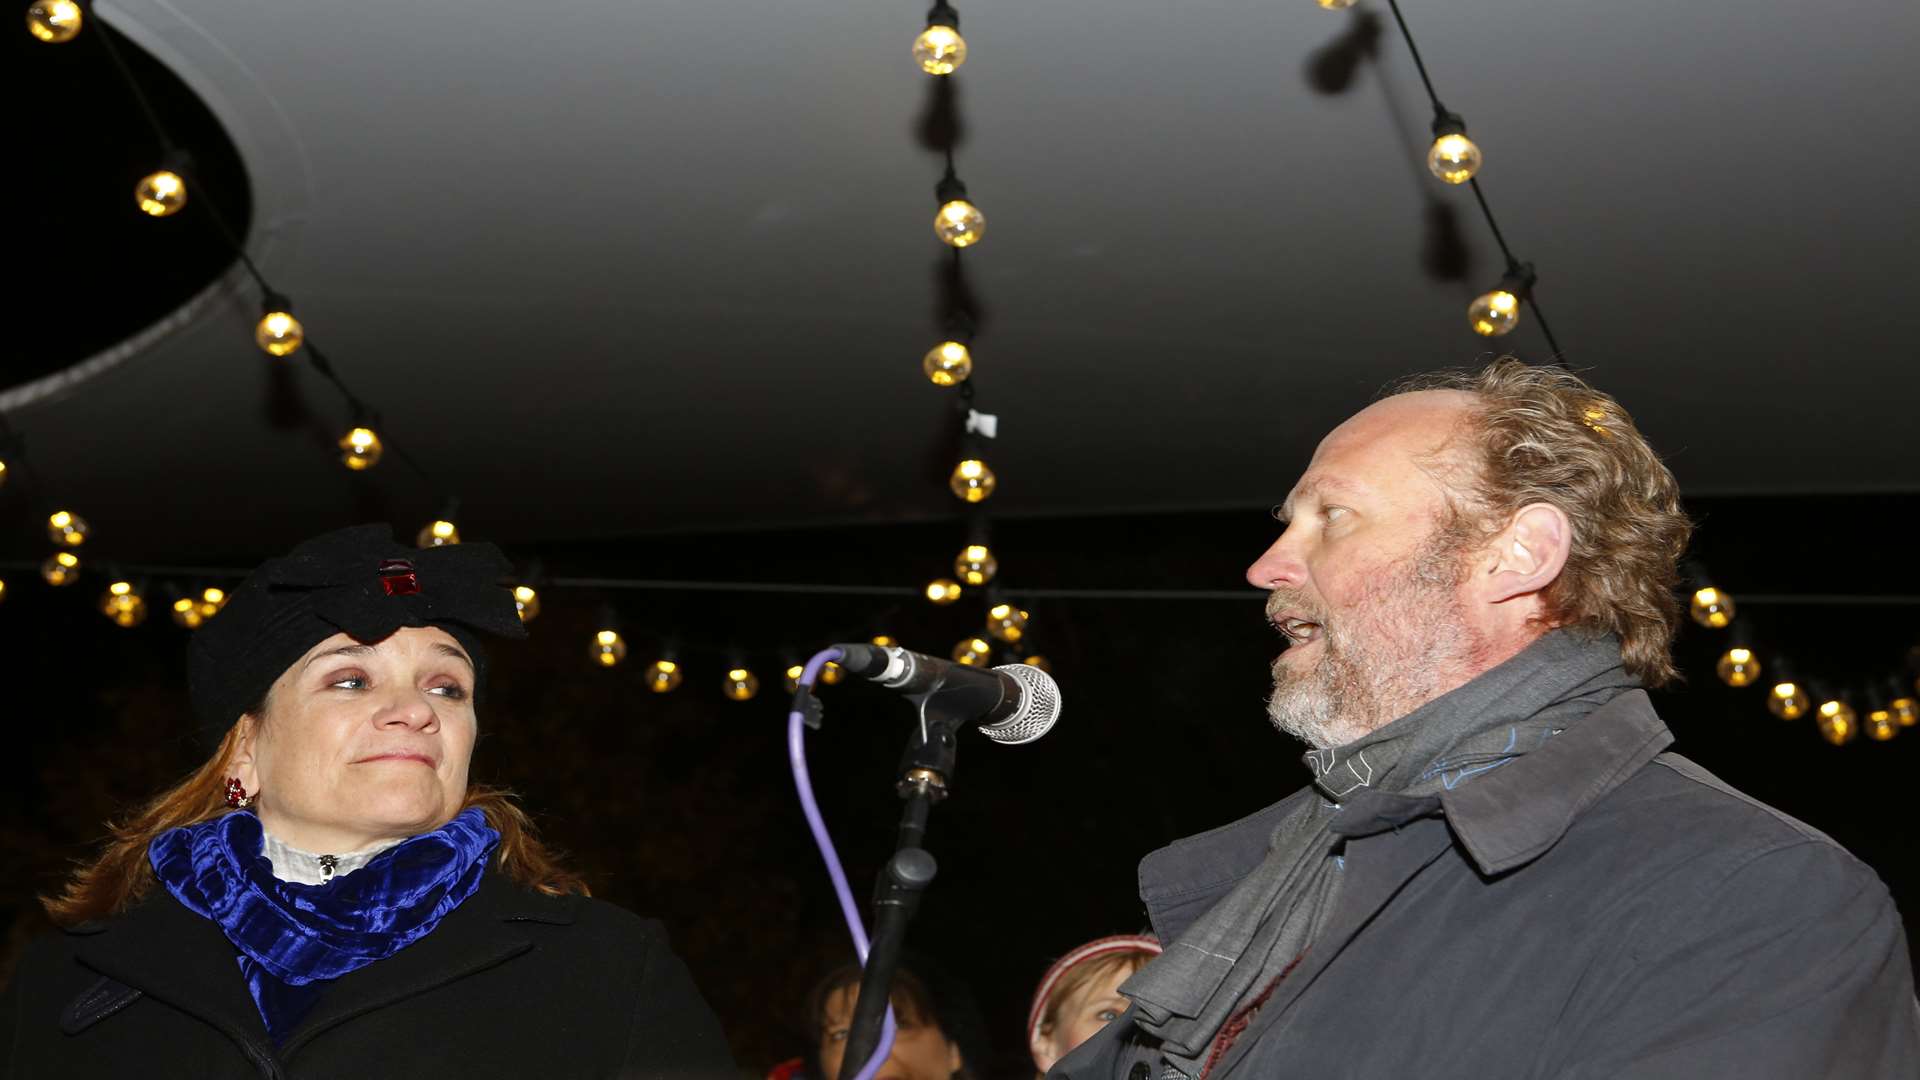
<point>1333,513</point>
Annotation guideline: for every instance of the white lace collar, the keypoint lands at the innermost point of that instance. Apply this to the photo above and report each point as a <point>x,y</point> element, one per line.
<point>306,868</point>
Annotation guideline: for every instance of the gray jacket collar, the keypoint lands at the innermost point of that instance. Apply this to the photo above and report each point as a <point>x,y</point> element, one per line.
<point>1504,818</point>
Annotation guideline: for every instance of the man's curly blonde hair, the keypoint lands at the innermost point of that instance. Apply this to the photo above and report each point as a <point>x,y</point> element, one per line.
<point>1542,435</point>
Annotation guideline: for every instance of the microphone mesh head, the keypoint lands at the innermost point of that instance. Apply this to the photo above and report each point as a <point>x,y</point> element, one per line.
<point>1039,706</point>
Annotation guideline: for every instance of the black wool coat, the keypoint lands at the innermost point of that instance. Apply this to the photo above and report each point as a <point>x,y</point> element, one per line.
<point>1594,910</point>
<point>510,984</point>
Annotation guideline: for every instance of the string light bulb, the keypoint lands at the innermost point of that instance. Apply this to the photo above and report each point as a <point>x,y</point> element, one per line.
<point>526,603</point>
<point>186,613</point>
<point>948,363</point>
<point>123,604</point>
<point>438,533</point>
<point>1880,725</point>
<point>278,333</point>
<point>972,481</point>
<point>663,676</point>
<point>943,591</point>
<point>161,194</point>
<point>1712,608</point>
<point>1453,157</point>
<point>360,449</point>
<point>1006,622</point>
<point>1038,661</point>
<point>1336,5</point>
<point>212,601</point>
<point>975,565</point>
<point>61,568</point>
<point>1787,700</point>
<point>973,652</point>
<point>1738,667</point>
<point>1837,721</point>
<point>55,21</point>
<point>940,50</point>
<point>883,641</point>
<point>740,684</point>
<point>1905,710</point>
<point>3,590</point>
<point>959,223</point>
<point>67,529</point>
<point>3,473</point>
<point>608,648</point>
<point>1494,314</point>
<point>794,672</point>
<point>832,673</point>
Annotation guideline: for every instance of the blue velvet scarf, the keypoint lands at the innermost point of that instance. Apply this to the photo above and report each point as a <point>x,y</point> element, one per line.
<point>293,938</point>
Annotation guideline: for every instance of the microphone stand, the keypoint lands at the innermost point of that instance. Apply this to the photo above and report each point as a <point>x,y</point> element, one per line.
<point>925,767</point>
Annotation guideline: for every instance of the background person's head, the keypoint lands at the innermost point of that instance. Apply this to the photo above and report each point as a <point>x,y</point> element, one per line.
<point>1442,529</point>
<point>1080,994</point>
<point>923,1047</point>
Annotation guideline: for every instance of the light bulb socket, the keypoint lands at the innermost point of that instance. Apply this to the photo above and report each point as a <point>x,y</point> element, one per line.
<point>1447,123</point>
<point>1520,280</point>
<point>1740,635</point>
<point>942,14</point>
<point>271,302</point>
<point>535,576</point>
<point>950,189</point>
<point>960,325</point>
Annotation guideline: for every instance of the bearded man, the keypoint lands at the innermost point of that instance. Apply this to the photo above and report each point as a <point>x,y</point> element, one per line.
<point>1497,871</point>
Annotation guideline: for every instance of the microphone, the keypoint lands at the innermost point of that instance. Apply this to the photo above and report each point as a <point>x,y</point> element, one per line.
<point>1020,702</point>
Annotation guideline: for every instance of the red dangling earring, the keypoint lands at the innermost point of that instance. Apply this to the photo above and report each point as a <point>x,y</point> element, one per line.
<point>237,795</point>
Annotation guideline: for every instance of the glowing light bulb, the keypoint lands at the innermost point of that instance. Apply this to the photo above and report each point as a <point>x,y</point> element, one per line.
<point>3,474</point>
<point>1038,661</point>
<point>211,602</point>
<point>279,333</point>
<point>161,193</point>
<point>67,529</point>
<point>939,50</point>
<point>1006,622</point>
<point>1880,725</point>
<point>1336,5</point>
<point>1712,608</point>
<point>959,224</point>
<point>526,603</point>
<point>884,642</point>
<point>360,449</point>
<point>1837,722</point>
<point>3,590</point>
<point>61,568</point>
<point>740,684</point>
<point>1493,314</point>
<point>948,363</point>
<point>187,613</point>
<point>832,673</point>
<point>793,677</point>
<point>1787,700</point>
<point>1738,667</point>
<point>943,591</point>
<point>123,604</point>
<point>975,565</point>
<point>608,649</point>
<point>1905,710</point>
<point>663,676</point>
<point>972,481</point>
<point>438,533</point>
<point>973,652</point>
<point>54,21</point>
<point>1453,158</point>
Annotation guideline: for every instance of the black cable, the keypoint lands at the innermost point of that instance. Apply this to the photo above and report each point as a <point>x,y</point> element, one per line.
<point>1418,63</point>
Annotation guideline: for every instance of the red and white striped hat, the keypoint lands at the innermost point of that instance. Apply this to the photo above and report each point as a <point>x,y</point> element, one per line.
<point>1106,946</point>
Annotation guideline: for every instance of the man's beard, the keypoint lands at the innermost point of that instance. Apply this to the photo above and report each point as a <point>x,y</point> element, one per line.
<point>1405,643</point>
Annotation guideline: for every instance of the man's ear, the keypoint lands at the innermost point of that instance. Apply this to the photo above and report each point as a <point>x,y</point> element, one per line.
<point>1527,555</point>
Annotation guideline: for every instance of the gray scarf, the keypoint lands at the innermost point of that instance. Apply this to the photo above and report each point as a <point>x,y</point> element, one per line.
<point>1248,939</point>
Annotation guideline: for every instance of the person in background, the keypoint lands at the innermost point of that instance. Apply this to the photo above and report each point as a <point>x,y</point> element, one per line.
<point>1080,994</point>
<point>933,1028</point>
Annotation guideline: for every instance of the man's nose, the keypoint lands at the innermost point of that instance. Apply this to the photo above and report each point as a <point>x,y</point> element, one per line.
<point>1278,565</point>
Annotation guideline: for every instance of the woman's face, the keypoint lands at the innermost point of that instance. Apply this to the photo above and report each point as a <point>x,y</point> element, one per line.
<point>920,1051</point>
<point>1091,1007</point>
<point>362,743</point>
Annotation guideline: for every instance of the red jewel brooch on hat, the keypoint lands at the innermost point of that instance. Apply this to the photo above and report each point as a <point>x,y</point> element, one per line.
<point>398,578</point>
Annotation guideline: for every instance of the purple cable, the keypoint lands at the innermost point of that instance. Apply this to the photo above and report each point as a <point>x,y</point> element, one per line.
<point>803,783</point>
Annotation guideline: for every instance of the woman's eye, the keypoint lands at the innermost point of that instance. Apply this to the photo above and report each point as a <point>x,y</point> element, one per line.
<point>449,690</point>
<point>350,682</point>
<point>1106,1016</point>
<point>837,1035</point>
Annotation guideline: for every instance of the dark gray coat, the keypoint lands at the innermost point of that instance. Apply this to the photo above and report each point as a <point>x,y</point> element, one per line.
<point>1596,908</point>
<point>510,984</point>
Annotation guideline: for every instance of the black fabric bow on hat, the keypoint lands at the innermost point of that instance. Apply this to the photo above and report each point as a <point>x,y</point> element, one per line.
<point>358,581</point>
